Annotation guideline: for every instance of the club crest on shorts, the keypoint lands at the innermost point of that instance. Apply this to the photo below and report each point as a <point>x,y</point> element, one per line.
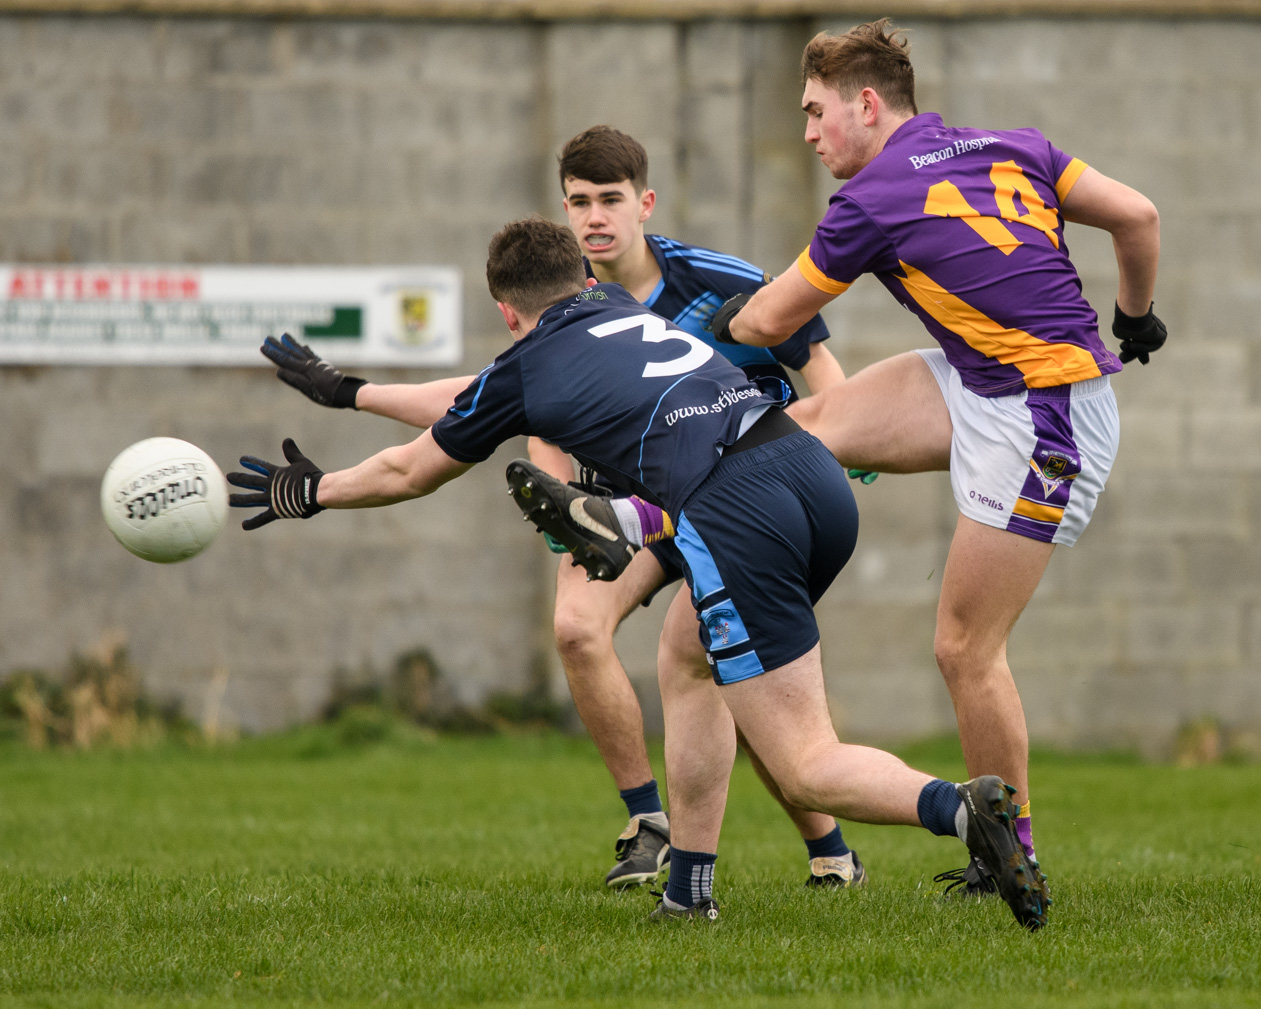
<point>1051,474</point>
<point>719,624</point>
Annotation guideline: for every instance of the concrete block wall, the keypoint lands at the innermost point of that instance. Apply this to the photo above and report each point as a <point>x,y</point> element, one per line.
<point>373,141</point>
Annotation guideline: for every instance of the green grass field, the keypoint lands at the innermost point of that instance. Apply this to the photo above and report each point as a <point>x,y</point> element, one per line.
<point>461,871</point>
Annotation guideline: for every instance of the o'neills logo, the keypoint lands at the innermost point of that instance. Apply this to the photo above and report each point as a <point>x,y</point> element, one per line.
<point>151,504</point>
<point>958,147</point>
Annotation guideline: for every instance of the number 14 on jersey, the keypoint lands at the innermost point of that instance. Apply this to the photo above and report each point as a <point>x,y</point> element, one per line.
<point>945,200</point>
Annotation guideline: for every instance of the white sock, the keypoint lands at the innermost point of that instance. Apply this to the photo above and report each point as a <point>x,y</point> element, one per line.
<point>656,819</point>
<point>961,822</point>
<point>628,518</point>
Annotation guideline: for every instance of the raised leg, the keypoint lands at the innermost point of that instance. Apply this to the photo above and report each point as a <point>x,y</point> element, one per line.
<point>784,715</point>
<point>810,825</point>
<point>889,417</point>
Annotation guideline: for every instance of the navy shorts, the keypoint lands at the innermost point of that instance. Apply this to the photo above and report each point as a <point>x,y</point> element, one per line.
<point>671,561</point>
<point>762,538</point>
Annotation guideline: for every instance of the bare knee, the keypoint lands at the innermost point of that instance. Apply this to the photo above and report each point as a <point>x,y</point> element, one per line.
<point>581,635</point>
<point>795,791</point>
<point>964,660</point>
<point>824,415</point>
<point>681,657</point>
<point>795,784</point>
<point>792,774</point>
<point>948,651</point>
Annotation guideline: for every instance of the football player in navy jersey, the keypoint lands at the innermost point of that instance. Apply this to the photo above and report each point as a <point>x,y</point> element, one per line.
<point>764,521</point>
<point>604,180</point>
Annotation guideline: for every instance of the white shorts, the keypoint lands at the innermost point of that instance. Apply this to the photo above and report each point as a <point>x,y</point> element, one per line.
<point>1033,463</point>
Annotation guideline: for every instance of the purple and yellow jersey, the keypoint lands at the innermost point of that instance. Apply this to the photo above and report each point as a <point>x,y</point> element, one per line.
<point>963,227</point>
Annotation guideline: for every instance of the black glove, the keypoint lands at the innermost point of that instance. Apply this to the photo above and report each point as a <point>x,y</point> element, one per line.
<point>720,325</point>
<point>1140,336</point>
<point>310,374</point>
<point>285,492</point>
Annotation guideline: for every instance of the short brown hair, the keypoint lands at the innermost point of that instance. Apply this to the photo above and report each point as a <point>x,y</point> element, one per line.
<point>534,263</point>
<point>604,155</point>
<point>872,55</point>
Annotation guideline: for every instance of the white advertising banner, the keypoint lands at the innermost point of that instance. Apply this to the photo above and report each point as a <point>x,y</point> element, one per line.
<point>219,315</point>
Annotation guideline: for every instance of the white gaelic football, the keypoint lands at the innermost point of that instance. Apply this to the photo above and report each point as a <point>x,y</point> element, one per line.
<point>164,499</point>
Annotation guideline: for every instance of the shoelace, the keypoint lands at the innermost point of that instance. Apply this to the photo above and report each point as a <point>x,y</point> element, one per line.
<point>955,877</point>
<point>586,483</point>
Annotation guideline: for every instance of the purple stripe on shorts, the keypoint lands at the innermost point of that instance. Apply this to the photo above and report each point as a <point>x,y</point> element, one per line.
<point>1032,529</point>
<point>1055,462</point>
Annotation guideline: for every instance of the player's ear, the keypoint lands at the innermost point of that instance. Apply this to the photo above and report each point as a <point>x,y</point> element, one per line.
<point>871,103</point>
<point>646,204</point>
<point>510,315</point>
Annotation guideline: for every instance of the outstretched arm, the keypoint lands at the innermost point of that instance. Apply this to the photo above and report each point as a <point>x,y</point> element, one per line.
<point>1131,219</point>
<point>396,474</point>
<point>301,490</point>
<point>420,405</point>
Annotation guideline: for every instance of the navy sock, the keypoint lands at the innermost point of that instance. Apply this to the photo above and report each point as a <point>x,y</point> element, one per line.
<point>691,876</point>
<point>830,845</point>
<point>939,801</point>
<point>642,800</point>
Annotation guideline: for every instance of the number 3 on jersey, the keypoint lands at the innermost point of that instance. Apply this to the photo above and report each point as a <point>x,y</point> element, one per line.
<point>945,200</point>
<point>654,331</point>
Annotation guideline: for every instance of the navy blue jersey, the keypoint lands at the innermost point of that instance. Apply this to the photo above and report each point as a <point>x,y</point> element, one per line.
<point>619,388</point>
<point>696,281</point>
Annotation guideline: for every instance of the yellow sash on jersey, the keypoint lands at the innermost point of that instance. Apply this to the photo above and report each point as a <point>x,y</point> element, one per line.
<point>1042,364</point>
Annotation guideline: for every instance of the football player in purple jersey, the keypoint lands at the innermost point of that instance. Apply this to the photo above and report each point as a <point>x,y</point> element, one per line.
<point>965,227</point>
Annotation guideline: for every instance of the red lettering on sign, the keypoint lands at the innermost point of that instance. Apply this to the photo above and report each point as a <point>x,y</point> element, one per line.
<point>105,285</point>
